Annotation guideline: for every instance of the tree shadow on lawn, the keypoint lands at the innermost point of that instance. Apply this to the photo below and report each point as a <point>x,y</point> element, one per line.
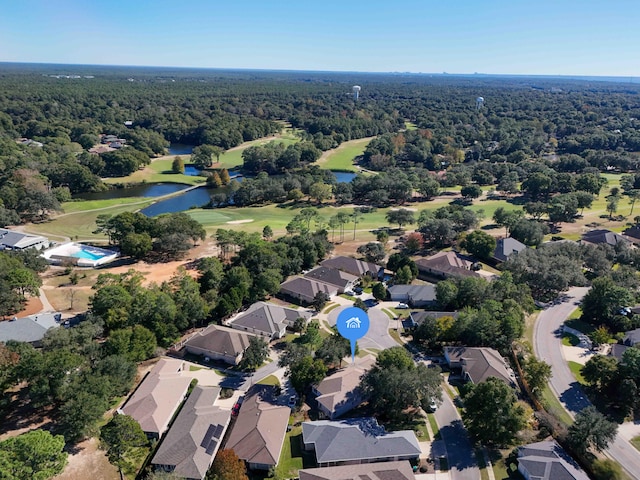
<point>19,414</point>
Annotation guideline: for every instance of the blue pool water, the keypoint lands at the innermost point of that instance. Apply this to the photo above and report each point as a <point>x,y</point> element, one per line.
<point>90,255</point>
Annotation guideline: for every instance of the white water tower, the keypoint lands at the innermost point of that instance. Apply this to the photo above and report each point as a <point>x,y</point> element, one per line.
<point>479,103</point>
<point>356,92</point>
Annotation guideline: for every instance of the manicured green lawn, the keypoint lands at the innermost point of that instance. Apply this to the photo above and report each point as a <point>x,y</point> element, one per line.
<point>553,405</point>
<point>395,335</point>
<point>159,171</point>
<point>434,426</point>
<point>270,380</point>
<point>341,158</point>
<point>293,457</point>
<point>576,368</point>
<point>635,441</point>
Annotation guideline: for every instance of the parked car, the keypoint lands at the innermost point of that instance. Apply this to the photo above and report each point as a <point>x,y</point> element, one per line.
<point>358,290</point>
<point>402,306</point>
<point>433,405</point>
<point>370,302</point>
<point>292,401</point>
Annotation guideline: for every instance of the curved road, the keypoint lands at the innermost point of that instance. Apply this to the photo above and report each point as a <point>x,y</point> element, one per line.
<point>548,347</point>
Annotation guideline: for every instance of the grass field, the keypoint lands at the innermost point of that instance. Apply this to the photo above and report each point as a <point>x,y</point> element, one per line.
<point>270,380</point>
<point>635,441</point>
<point>341,158</point>
<point>576,368</point>
<point>570,340</point>
<point>158,171</point>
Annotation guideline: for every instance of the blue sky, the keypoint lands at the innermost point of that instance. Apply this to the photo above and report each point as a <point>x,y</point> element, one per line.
<point>568,37</point>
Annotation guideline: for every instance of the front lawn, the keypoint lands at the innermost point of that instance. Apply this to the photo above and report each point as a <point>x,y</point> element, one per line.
<point>576,368</point>
<point>293,457</point>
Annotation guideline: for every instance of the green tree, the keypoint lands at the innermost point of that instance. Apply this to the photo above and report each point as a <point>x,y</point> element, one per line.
<point>536,373</point>
<point>320,299</point>
<point>591,429</point>
<point>479,244</point>
<point>379,291</point>
<point>471,191</point>
<point>306,372</point>
<point>135,343</point>
<point>401,217</point>
<point>267,233</point>
<point>136,245</point>
<point>372,251</point>
<point>79,414</point>
<point>606,469</point>
<point>36,455</point>
<point>507,218</point>
<point>177,166</point>
<point>320,191</point>
<point>492,413</point>
<point>404,276</point>
<point>333,349</point>
<point>382,236</point>
<point>255,354</point>
<point>227,466</point>
<point>600,371</point>
<point>602,302</point>
<point>119,438</point>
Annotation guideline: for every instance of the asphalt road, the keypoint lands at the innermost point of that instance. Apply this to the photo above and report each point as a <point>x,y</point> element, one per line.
<point>548,347</point>
<point>460,455</point>
<point>378,335</point>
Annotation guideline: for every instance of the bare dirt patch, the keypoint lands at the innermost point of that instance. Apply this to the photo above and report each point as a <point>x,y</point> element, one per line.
<point>34,305</point>
<point>88,461</point>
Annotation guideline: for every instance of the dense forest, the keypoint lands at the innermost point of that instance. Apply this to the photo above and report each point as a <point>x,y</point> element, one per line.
<point>526,126</point>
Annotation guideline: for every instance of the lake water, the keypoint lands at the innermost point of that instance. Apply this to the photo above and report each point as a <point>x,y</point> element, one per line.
<point>344,177</point>
<point>198,197</point>
<point>191,170</point>
<point>143,190</point>
<point>180,149</point>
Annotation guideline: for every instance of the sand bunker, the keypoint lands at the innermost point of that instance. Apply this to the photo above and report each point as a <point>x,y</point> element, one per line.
<point>237,222</point>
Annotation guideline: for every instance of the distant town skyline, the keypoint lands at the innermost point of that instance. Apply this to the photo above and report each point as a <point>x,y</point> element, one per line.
<point>561,37</point>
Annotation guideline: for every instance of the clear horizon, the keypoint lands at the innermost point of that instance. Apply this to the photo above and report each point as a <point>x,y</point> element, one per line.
<point>550,38</point>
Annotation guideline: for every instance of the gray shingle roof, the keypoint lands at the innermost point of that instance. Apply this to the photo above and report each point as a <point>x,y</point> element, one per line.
<point>548,461</point>
<point>415,293</point>
<point>505,247</point>
<point>352,265</point>
<point>632,337</point>
<point>373,471</point>
<point>603,236</point>
<point>267,317</point>
<point>305,288</point>
<point>332,276</point>
<point>346,441</point>
<point>195,436</point>
<point>449,263</point>
<point>28,329</point>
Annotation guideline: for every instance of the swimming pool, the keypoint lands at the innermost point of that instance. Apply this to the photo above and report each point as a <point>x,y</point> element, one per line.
<point>90,254</point>
<point>79,254</point>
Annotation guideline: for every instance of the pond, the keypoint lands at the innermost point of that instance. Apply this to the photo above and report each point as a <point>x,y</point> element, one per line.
<point>180,149</point>
<point>344,177</point>
<point>143,190</point>
<point>198,197</point>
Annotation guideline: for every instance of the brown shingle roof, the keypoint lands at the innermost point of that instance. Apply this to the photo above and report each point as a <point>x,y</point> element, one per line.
<point>343,385</point>
<point>267,317</point>
<point>332,276</point>
<point>220,340</point>
<point>158,397</point>
<point>260,428</point>
<point>450,262</point>
<point>480,363</point>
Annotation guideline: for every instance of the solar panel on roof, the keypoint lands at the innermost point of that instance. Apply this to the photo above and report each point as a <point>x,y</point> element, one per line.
<point>211,447</point>
<point>218,431</point>
<point>208,436</point>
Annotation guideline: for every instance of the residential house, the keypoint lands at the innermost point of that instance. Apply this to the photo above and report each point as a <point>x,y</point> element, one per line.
<point>633,234</point>
<point>340,392</point>
<point>416,318</point>
<point>631,338</point>
<point>219,343</point>
<point>12,240</point>
<point>372,471</point>
<point>548,461</point>
<point>446,265</point>
<point>354,266</point>
<point>415,296</point>
<point>158,397</point>
<point>267,319</point>
<point>478,364</point>
<point>505,247</point>
<point>357,441</point>
<point>260,429</point>
<point>595,237</point>
<point>191,444</point>
<point>617,351</point>
<point>333,277</point>
<point>29,329</point>
<point>304,290</point>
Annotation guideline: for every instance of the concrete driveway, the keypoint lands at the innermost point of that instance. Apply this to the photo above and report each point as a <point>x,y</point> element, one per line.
<point>378,335</point>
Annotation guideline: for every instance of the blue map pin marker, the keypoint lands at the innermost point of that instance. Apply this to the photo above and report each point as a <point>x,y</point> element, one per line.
<point>353,324</point>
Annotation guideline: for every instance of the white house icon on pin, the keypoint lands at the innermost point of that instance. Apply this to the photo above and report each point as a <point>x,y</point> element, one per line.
<point>353,322</point>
